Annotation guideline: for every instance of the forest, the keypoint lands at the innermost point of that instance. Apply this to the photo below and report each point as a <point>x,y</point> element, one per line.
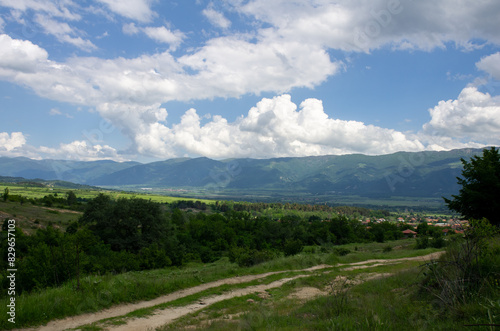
<point>115,236</point>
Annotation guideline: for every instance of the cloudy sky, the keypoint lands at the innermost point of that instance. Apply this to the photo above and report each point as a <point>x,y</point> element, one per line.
<point>149,80</point>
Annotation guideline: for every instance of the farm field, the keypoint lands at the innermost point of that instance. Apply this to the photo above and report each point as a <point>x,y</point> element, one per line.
<point>39,192</point>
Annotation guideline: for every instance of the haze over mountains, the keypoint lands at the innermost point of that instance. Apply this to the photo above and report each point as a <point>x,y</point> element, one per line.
<point>421,174</point>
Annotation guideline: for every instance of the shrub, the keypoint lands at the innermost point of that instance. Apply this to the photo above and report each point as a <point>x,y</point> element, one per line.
<point>340,251</point>
<point>246,257</point>
<point>293,247</point>
<point>422,242</point>
<point>463,274</point>
<point>437,242</point>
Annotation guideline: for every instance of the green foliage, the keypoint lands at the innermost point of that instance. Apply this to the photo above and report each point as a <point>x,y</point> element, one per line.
<point>71,198</point>
<point>479,195</point>
<point>437,242</point>
<point>113,236</point>
<point>341,251</point>
<point>293,247</point>
<point>126,224</point>
<point>245,257</point>
<point>422,242</point>
<point>153,257</point>
<point>5,194</point>
<point>468,269</point>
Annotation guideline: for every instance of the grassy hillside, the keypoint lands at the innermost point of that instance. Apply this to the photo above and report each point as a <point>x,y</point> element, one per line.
<point>320,178</point>
<point>418,175</point>
<point>34,191</point>
<point>371,295</point>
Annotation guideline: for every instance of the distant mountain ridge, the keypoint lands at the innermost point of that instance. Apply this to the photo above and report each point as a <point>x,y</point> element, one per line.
<point>81,172</point>
<point>420,174</point>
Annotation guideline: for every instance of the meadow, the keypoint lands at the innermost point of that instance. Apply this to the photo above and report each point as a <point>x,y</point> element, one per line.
<point>37,192</point>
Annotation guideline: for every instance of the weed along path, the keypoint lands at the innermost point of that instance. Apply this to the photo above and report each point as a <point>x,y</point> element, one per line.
<point>166,316</point>
<point>114,318</point>
<point>120,310</point>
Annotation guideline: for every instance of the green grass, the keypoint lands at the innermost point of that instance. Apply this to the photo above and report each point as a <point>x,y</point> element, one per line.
<point>392,303</point>
<point>30,218</point>
<point>39,192</point>
<point>99,292</point>
<point>145,312</point>
<point>397,302</point>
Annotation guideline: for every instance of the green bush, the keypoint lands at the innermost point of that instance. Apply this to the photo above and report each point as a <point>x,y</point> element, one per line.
<point>293,247</point>
<point>463,276</point>
<point>340,251</point>
<point>437,242</point>
<point>422,242</point>
<point>246,257</point>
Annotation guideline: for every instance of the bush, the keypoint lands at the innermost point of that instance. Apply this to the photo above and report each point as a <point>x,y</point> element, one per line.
<point>293,247</point>
<point>246,257</point>
<point>310,249</point>
<point>387,249</point>
<point>339,251</point>
<point>422,242</point>
<point>463,274</point>
<point>437,242</point>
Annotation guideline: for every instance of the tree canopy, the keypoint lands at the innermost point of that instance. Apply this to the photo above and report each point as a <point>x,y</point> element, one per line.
<point>480,193</point>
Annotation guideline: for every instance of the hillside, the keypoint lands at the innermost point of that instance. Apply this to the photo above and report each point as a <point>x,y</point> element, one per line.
<point>425,174</point>
<point>81,172</point>
<point>422,174</point>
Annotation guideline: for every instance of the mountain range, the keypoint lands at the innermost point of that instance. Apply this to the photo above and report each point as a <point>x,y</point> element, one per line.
<point>411,174</point>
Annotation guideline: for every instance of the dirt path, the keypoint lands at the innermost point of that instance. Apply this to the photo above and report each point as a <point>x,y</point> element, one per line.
<point>75,321</point>
<point>165,316</point>
<point>379,262</point>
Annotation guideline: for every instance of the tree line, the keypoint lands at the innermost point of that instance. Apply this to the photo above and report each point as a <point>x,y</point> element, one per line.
<point>114,236</point>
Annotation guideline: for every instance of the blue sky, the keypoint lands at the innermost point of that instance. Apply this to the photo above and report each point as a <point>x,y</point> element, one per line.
<point>149,80</point>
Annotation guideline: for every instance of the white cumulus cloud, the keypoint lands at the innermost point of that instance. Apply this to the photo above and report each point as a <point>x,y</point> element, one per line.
<point>11,142</point>
<point>473,117</point>
<point>19,56</point>
<point>491,65</point>
<point>274,127</point>
<point>81,150</point>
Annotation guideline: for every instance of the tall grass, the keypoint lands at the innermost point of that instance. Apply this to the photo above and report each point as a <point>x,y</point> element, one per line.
<point>100,292</point>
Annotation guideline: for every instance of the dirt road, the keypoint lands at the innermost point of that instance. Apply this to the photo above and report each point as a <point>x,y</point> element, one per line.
<point>165,316</point>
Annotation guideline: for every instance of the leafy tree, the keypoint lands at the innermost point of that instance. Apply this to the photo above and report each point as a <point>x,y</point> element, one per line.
<point>6,194</point>
<point>71,198</point>
<point>293,247</point>
<point>126,224</point>
<point>480,193</point>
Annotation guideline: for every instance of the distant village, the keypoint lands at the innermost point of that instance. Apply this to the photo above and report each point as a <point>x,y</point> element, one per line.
<point>449,225</point>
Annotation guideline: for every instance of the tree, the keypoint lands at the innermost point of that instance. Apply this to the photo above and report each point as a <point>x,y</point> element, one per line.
<point>6,194</point>
<point>480,193</point>
<point>71,198</point>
